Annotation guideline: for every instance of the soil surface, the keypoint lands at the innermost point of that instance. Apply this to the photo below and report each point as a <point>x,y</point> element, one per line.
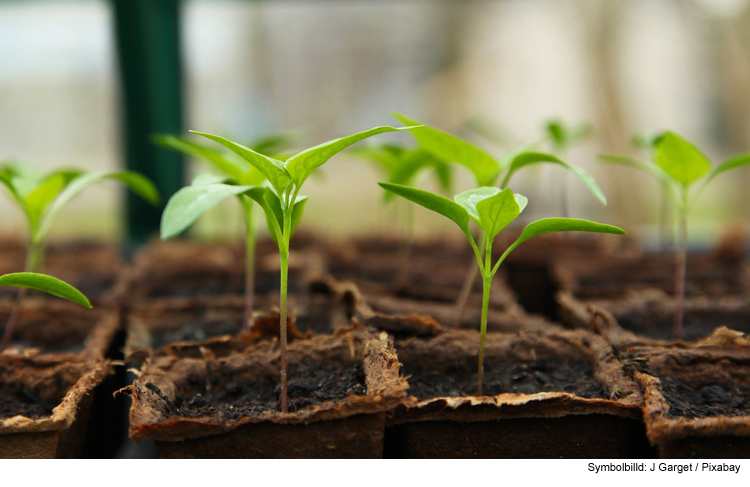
<point>544,375</point>
<point>309,386</point>
<point>23,403</point>
<point>695,326</point>
<point>705,401</point>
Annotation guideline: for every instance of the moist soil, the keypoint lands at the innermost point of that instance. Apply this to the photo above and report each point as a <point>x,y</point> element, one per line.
<point>24,403</point>
<point>696,325</point>
<point>544,375</point>
<point>309,386</point>
<point>704,401</point>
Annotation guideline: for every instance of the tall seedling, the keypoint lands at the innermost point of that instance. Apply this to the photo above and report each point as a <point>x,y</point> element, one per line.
<point>492,209</point>
<point>562,137</point>
<point>238,172</point>
<point>487,171</point>
<point>42,197</point>
<point>279,198</point>
<point>678,165</point>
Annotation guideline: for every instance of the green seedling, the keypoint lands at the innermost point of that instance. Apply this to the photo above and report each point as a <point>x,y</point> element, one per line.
<point>678,165</point>
<point>489,171</point>
<point>562,136</point>
<point>278,197</point>
<point>399,164</point>
<point>41,198</point>
<point>492,209</point>
<point>234,171</point>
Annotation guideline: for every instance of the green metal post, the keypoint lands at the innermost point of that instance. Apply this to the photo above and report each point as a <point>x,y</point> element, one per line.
<point>148,45</point>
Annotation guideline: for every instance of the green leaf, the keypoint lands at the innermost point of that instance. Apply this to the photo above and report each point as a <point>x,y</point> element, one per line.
<point>453,149</point>
<point>732,163</point>
<point>208,178</point>
<point>271,168</point>
<point>564,135</point>
<point>38,200</point>
<point>139,184</point>
<point>644,166</point>
<point>301,165</point>
<point>47,284</point>
<point>274,204</point>
<point>434,202</point>
<point>234,168</point>
<point>681,160</point>
<point>189,203</point>
<point>6,179</point>
<point>550,225</point>
<point>527,158</point>
<point>469,199</point>
<point>498,211</point>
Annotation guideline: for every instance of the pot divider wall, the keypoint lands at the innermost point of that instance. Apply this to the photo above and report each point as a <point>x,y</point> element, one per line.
<point>341,385</point>
<point>55,395</point>
<point>697,401</point>
<point>534,403</point>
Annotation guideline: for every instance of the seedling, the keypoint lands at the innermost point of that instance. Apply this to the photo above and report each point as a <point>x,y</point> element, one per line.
<point>42,197</point>
<point>279,198</point>
<point>488,171</point>
<point>238,172</point>
<point>562,137</point>
<point>492,209</point>
<point>679,164</point>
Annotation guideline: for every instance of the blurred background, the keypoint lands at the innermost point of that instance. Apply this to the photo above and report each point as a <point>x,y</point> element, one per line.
<point>329,68</point>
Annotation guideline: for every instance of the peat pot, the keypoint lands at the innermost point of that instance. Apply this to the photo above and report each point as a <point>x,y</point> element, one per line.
<point>340,388</point>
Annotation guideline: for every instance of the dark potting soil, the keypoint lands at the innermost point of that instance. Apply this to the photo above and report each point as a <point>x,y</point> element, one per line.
<point>544,375</point>
<point>695,326</point>
<point>196,330</point>
<point>705,401</point>
<point>23,403</point>
<point>309,386</point>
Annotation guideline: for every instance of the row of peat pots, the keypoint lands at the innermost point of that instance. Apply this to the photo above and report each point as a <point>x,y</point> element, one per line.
<point>579,361</point>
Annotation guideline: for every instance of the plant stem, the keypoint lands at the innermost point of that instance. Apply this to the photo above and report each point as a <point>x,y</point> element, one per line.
<point>486,284</point>
<point>665,226</point>
<point>282,327</point>
<point>680,274</point>
<point>33,259</point>
<point>249,265</point>
<point>467,286</point>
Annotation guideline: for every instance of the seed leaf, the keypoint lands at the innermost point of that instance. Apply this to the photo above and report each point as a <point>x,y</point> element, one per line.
<point>469,199</point>
<point>434,202</point>
<point>498,211</point>
<point>681,160</point>
<point>301,165</point>
<point>550,225</point>
<point>48,284</point>
<point>526,158</point>
<point>271,168</point>
<point>190,202</point>
<point>453,149</point>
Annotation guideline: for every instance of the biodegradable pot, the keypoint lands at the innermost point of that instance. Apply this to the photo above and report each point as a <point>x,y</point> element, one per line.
<point>548,395</point>
<point>435,271</point>
<point>92,267</point>
<point>697,401</point>
<point>180,273</point>
<point>46,403</point>
<point>150,328</point>
<point>647,317</point>
<point>340,387</point>
<point>62,328</point>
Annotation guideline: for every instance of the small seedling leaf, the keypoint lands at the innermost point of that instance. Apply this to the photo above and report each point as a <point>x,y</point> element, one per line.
<point>681,160</point>
<point>301,165</point>
<point>453,149</point>
<point>498,211</point>
<point>434,202</point>
<point>469,199</point>
<point>190,202</point>
<point>48,284</point>
<point>550,225</point>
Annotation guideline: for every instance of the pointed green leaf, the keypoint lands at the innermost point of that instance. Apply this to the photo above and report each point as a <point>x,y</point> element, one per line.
<point>6,179</point>
<point>681,160</point>
<point>274,205</point>
<point>43,195</point>
<point>47,284</point>
<point>732,163</point>
<point>301,165</point>
<point>644,166</point>
<point>550,225</point>
<point>262,195</point>
<point>234,168</point>
<point>434,202</point>
<point>453,149</point>
<point>271,168</point>
<point>189,203</point>
<point>469,199</point>
<point>527,158</point>
<point>498,211</point>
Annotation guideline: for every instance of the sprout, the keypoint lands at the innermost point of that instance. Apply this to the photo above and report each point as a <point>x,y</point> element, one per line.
<point>492,209</point>
<point>278,197</point>
<point>678,165</point>
<point>42,197</point>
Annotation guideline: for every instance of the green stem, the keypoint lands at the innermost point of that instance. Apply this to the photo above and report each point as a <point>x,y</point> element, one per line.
<point>284,253</point>
<point>33,261</point>
<point>466,287</point>
<point>681,271</point>
<point>249,265</point>
<point>486,285</point>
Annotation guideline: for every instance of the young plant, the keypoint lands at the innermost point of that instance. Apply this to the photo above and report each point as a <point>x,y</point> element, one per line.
<point>562,137</point>
<point>235,171</point>
<point>678,165</point>
<point>487,171</point>
<point>42,197</point>
<point>278,197</point>
<point>492,209</point>
<point>38,282</point>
